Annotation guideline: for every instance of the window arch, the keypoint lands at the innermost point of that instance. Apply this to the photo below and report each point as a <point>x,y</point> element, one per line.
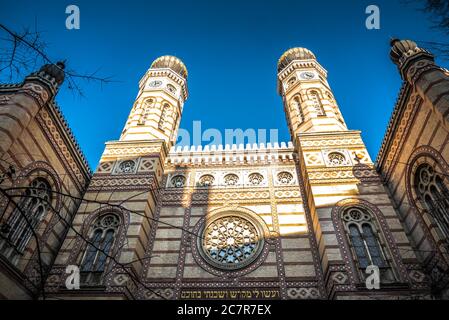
<point>146,111</point>
<point>101,240</point>
<point>297,110</point>
<point>365,242</point>
<point>316,102</point>
<point>26,217</point>
<point>433,194</point>
<point>164,116</point>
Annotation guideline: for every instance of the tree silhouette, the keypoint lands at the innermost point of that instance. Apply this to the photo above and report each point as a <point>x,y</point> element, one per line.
<point>438,12</point>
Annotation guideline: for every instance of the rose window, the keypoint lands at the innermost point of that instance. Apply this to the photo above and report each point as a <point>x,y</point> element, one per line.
<point>336,159</point>
<point>355,214</point>
<point>108,221</point>
<point>255,179</point>
<point>127,166</point>
<point>231,179</point>
<point>178,181</point>
<point>206,180</point>
<point>231,242</point>
<point>285,177</point>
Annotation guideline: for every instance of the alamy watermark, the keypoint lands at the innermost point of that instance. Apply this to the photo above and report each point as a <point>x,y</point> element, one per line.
<point>72,282</point>
<point>372,281</point>
<point>373,20</point>
<point>211,136</point>
<point>73,19</point>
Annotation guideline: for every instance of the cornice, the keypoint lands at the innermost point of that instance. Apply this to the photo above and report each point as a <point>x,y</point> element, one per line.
<point>231,154</point>
<point>395,119</point>
<point>55,111</point>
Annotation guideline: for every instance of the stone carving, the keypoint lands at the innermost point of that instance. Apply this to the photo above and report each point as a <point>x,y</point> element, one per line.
<point>231,179</point>
<point>127,166</point>
<point>178,181</point>
<point>206,181</point>
<point>285,177</point>
<point>336,159</point>
<point>255,179</point>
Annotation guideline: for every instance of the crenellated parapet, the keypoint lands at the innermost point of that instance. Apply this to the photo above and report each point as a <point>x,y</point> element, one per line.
<point>255,154</point>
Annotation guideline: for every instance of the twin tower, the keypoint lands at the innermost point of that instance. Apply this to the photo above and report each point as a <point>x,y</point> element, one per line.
<point>302,82</point>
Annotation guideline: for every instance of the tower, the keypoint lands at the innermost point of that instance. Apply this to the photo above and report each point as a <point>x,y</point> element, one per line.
<point>338,178</point>
<point>309,103</point>
<point>126,185</point>
<point>156,113</point>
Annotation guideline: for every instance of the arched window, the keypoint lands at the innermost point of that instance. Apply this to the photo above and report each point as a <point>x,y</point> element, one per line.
<point>175,121</point>
<point>32,208</point>
<point>365,242</point>
<point>335,107</point>
<point>434,195</point>
<point>101,240</point>
<point>317,104</point>
<point>145,112</point>
<point>297,110</point>
<point>164,116</point>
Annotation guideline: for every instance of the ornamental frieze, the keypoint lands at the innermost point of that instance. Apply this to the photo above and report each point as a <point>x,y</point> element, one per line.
<point>290,195</point>
<point>131,151</point>
<point>133,182</point>
<point>50,129</point>
<point>318,143</point>
<point>354,174</point>
<point>207,197</point>
<point>401,131</point>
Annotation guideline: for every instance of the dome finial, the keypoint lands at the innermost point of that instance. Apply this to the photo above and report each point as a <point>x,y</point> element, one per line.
<point>294,54</point>
<point>55,71</point>
<point>170,62</point>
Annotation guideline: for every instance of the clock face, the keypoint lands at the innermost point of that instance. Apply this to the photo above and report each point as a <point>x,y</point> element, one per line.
<point>155,83</point>
<point>307,75</point>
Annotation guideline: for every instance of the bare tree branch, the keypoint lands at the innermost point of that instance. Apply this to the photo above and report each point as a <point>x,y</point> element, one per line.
<point>438,12</point>
<point>20,53</point>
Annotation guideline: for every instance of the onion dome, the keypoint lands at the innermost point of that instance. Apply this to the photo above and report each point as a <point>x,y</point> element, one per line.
<point>401,50</point>
<point>55,71</point>
<point>172,63</point>
<point>294,54</point>
<point>401,47</point>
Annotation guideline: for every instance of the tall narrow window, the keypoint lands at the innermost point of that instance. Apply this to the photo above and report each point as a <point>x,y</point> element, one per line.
<point>297,110</point>
<point>164,116</point>
<point>32,208</point>
<point>317,104</point>
<point>365,242</point>
<point>174,132</point>
<point>434,195</point>
<point>145,112</point>
<point>100,244</point>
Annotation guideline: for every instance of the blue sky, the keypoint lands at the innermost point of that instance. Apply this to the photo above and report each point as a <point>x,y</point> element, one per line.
<point>231,50</point>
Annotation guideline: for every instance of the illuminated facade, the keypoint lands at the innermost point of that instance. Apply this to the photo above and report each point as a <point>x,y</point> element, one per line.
<point>307,219</point>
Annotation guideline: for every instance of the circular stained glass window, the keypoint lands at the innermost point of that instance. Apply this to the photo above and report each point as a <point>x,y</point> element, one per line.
<point>127,166</point>
<point>231,242</point>
<point>336,159</point>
